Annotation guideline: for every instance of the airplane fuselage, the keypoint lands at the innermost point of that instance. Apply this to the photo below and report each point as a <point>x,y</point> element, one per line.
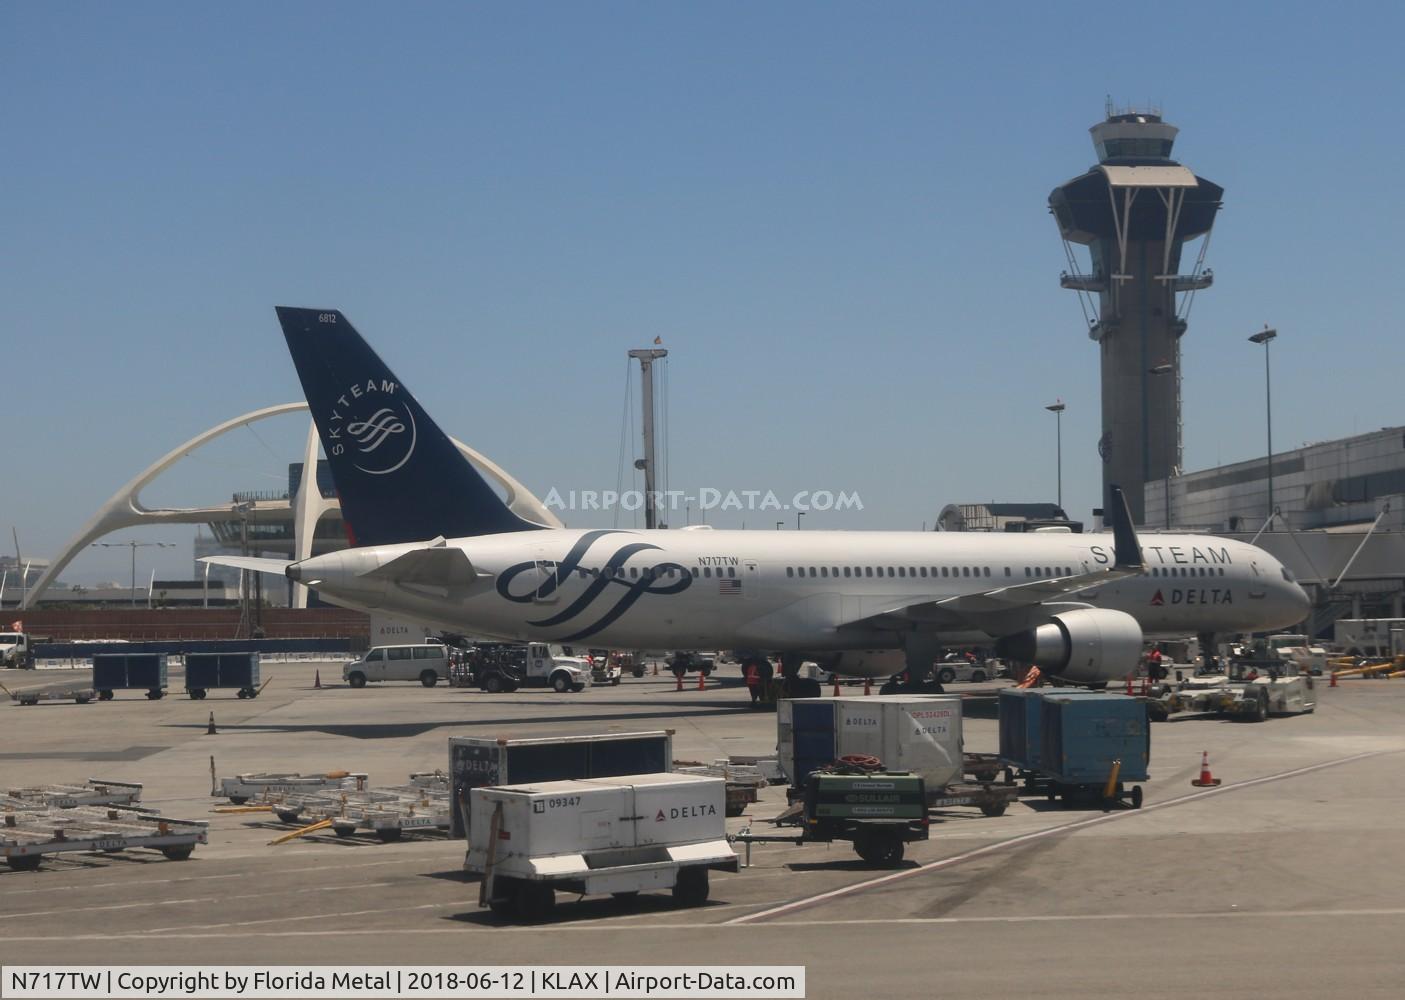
<point>803,591</point>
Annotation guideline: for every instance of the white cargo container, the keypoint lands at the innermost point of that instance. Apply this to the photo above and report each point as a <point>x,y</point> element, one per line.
<point>916,733</point>
<point>615,835</point>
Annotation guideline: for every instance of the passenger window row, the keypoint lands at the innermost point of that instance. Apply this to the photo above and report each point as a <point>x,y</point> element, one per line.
<point>1185,571</point>
<point>930,572</point>
<point>656,572</point>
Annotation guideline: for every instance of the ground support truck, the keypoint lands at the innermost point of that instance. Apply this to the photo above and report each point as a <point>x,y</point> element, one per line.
<point>620,836</point>
<point>1251,689</point>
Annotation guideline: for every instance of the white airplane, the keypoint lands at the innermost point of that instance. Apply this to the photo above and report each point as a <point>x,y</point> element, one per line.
<point>432,541</point>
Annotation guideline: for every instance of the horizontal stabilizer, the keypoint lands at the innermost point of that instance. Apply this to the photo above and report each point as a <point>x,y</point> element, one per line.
<point>435,566</point>
<point>278,567</point>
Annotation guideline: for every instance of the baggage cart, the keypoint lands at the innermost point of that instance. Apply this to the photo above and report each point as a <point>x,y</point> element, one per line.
<point>208,671</point>
<point>129,672</point>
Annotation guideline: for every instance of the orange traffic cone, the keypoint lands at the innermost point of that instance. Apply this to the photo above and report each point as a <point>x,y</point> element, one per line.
<point>867,686</point>
<point>317,680</point>
<point>210,730</point>
<point>836,685</point>
<point>702,680</point>
<point>679,679</point>
<point>1206,779</point>
<point>1334,680</point>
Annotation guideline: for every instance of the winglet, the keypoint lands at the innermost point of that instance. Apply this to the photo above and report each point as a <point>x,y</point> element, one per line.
<point>1127,549</point>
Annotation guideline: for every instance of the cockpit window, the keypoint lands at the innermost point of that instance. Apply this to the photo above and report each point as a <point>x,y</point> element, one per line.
<point>1288,576</point>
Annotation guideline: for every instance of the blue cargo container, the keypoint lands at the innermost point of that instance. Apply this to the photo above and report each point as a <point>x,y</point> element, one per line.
<point>129,671</point>
<point>1082,736</point>
<point>1021,712</point>
<point>204,671</point>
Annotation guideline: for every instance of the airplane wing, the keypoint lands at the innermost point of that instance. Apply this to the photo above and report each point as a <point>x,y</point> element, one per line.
<point>257,565</point>
<point>1127,561</point>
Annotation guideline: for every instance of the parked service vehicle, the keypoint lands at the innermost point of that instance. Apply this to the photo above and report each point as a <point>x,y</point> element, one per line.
<point>549,666</point>
<point>499,667</point>
<point>16,651</point>
<point>684,660</point>
<point>961,669</point>
<point>593,836</point>
<point>1310,657</point>
<point>426,662</point>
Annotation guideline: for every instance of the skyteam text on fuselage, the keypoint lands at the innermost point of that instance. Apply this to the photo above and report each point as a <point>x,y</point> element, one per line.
<point>433,542</point>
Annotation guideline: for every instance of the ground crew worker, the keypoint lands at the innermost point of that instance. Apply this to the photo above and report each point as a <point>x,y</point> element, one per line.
<point>753,681</point>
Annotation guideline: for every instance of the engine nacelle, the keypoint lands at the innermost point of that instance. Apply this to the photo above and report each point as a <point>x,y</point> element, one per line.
<point>1083,646</point>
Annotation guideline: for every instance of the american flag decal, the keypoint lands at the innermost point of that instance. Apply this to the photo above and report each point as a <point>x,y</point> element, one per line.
<point>729,587</point>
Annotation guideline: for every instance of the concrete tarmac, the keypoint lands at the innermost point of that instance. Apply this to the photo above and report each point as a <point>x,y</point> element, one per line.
<point>1284,881</point>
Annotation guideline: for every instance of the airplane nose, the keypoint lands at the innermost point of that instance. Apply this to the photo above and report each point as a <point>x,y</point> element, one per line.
<point>1300,601</point>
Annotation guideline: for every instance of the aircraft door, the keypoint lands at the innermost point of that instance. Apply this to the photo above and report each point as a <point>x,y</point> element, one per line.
<point>545,589</point>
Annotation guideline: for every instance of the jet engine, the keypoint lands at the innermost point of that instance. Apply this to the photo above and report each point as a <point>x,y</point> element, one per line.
<point>1082,646</point>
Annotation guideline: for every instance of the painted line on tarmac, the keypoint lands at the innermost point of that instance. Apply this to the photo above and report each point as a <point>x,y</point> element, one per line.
<point>1055,918</point>
<point>68,910</point>
<point>217,932</point>
<point>139,882</point>
<point>1028,838</point>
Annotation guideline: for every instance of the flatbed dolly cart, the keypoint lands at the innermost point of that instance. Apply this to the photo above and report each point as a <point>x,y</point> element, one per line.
<point>95,792</point>
<point>27,836</point>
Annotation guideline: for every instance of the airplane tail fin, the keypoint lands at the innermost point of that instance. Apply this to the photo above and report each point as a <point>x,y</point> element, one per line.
<point>398,476</point>
<point>1126,547</point>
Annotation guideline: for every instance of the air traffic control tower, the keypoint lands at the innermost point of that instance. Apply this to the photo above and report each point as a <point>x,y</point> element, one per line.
<point>1135,211</point>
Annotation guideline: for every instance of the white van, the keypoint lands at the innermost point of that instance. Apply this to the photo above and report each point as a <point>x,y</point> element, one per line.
<point>427,662</point>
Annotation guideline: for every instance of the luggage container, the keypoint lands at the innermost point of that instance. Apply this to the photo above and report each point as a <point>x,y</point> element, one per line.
<point>475,761</point>
<point>920,734</point>
<point>1093,743</point>
<point>1020,717</point>
<point>204,671</point>
<point>618,835</point>
<point>129,671</point>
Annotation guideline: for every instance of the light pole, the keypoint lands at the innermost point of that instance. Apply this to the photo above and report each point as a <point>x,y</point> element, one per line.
<point>133,545</point>
<point>1166,368</point>
<point>1265,336</point>
<point>1057,409</point>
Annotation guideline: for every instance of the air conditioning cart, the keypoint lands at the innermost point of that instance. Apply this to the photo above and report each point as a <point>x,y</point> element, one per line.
<point>618,836</point>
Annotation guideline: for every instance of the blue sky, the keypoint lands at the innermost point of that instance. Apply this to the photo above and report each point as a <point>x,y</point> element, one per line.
<point>833,214</point>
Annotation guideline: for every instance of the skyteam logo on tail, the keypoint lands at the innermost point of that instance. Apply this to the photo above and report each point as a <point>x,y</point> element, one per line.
<point>372,427</point>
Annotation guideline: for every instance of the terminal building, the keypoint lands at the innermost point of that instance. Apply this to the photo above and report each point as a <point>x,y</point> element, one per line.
<point>1340,524</point>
